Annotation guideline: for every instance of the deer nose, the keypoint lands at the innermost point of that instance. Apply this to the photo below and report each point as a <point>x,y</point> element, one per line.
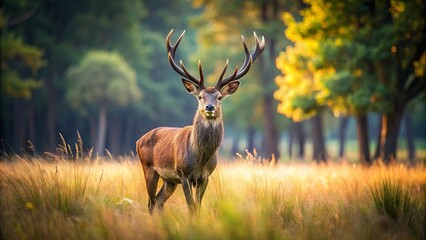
<point>210,107</point>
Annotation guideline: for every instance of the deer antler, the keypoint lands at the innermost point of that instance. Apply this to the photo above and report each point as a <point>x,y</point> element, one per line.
<point>182,70</point>
<point>249,59</point>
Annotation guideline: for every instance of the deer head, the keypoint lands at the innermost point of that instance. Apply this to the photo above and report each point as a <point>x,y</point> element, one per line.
<point>209,97</point>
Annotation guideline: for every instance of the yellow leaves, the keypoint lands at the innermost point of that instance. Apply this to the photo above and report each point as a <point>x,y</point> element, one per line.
<point>280,61</point>
<point>420,66</point>
<point>338,42</point>
<point>397,7</point>
<point>287,18</point>
<point>358,72</point>
<point>197,3</point>
<point>29,205</point>
<point>289,110</point>
<point>297,115</point>
<point>300,82</point>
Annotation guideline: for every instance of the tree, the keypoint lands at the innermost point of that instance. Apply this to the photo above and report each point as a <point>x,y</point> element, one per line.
<point>28,59</point>
<point>101,80</point>
<point>341,135</point>
<point>20,63</point>
<point>401,64</point>
<point>352,49</point>
<point>297,134</point>
<point>299,89</point>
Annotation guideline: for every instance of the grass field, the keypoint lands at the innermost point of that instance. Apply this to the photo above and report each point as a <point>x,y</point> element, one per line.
<point>51,198</point>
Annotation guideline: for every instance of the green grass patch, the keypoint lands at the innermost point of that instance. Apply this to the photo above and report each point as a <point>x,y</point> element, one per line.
<point>400,203</point>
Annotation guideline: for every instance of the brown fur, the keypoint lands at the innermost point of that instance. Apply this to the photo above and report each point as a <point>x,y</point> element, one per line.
<point>189,155</point>
<point>185,155</point>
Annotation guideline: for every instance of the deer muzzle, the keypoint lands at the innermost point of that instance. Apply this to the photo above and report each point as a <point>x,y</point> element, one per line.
<point>210,111</point>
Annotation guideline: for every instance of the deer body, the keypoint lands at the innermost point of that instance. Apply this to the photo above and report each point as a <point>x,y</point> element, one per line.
<point>189,152</point>
<point>188,155</point>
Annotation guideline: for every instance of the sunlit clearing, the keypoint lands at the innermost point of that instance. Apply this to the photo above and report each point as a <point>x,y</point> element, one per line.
<point>84,199</point>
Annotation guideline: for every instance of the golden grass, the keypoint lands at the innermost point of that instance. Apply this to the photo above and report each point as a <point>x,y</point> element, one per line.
<point>107,200</point>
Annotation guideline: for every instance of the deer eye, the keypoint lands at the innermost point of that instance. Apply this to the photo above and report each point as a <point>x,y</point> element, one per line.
<point>220,98</point>
<point>200,97</point>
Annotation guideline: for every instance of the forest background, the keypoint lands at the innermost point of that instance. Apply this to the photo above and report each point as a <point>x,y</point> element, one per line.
<point>334,74</point>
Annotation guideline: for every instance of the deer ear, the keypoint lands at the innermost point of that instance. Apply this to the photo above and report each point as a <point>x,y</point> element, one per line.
<point>230,88</point>
<point>190,86</point>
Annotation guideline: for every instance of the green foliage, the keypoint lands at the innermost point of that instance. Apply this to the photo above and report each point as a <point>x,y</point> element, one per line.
<point>15,86</point>
<point>340,83</point>
<point>397,202</point>
<point>340,45</point>
<point>19,64</point>
<point>14,49</point>
<point>101,78</point>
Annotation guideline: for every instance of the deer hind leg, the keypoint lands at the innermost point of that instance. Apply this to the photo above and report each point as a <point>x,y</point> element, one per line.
<point>151,179</point>
<point>187,190</point>
<point>166,191</point>
<point>201,189</point>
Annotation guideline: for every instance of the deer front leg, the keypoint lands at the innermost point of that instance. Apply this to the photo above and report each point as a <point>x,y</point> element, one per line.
<point>187,190</point>
<point>200,189</point>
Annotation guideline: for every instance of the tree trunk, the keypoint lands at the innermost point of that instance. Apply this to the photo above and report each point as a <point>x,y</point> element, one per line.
<point>341,135</point>
<point>270,133</point>
<point>290,139</point>
<point>6,130</point>
<point>296,134</point>
<point>114,134</point>
<point>250,138</point>
<point>363,141</point>
<point>300,137</point>
<point>51,113</point>
<point>129,142</point>
<point>19,124</point>
<point>31,126</point>
<point>379,140</point>
<point>410,140</point>
<point>93,130</point>
<point>100,146</point>
<point>389,134</point>
<point>270,137</point>
<point>319,151</point>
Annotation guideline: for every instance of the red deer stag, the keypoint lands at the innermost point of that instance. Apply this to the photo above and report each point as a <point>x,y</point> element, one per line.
<point>188,155</point>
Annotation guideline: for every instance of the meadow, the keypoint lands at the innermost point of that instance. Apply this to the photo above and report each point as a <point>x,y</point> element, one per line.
<point>84,197</point>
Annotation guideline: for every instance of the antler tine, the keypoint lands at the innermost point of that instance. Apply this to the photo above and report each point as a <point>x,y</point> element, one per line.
<point>174,47</point>
<point>248,60</point>
<point>200,71</point>
<point>182,70</point>
<point>223,70</point>
<point>257,51</point>
<point>259,46</point>
<point>221,82</point>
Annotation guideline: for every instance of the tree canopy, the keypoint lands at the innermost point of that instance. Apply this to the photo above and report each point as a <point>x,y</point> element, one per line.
<point>19,63</point>
<point>341,59</point>
<point>101,78</point>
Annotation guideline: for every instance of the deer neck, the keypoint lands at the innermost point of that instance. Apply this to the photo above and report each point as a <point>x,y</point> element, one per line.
<point>207,135</point>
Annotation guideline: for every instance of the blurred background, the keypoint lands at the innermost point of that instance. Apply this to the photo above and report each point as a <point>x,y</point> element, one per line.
<point>337,80</point>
